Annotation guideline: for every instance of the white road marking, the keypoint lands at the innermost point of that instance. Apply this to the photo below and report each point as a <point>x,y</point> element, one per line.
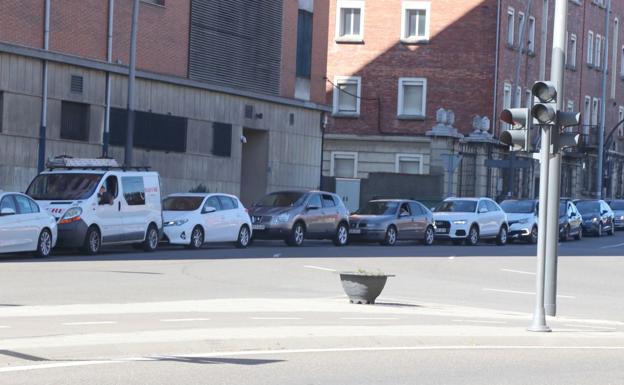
<point>479,321</point>
<point>612,246</point>
<point>451,257</point>
<point>247,353</point>
<point>369,318</point>
<point>89,323</point>
<point>524,292</point>
<point>591,327</point>
<point>4,327</point>
<point>318,268</point>
<point>277,255</point>
<point>517,271</point>
<point>275,318</point>
<point>184,319</point>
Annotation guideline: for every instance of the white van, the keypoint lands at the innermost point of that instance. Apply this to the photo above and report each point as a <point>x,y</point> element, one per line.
<point>97,203</point>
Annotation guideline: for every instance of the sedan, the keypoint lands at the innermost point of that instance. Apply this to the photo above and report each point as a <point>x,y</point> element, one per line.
<point>522,217</point>
<point>570,221</point>
<point>618,210</point>
<point>194,219</point>
<point>25,227</point>
<point>388,221</point>
<point>598,217</point>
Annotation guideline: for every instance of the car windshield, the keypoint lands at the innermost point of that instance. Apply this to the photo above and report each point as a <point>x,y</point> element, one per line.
<point>518,207</point>
<point>617,205</point>
<point>587,207</point>
<point>182,203</point>
<point>282,199</point>
<point>69,186</point>
<point>378,208</point>
<point>456,206</point>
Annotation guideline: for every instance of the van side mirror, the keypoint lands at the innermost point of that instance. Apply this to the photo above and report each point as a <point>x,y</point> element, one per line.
<point>208,210</point>
<point>6,212</point>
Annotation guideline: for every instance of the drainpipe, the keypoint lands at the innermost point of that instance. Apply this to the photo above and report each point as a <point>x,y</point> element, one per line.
<point>44,92</point>
<point>603,107</point>
<point>496,66</point>
<point>109,59</point>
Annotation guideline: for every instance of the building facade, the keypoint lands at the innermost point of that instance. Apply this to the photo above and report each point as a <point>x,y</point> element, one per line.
<point>416,87</point>
<point>229,95</point>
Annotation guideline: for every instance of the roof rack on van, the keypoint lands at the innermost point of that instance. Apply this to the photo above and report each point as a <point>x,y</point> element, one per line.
<point>69,163</point>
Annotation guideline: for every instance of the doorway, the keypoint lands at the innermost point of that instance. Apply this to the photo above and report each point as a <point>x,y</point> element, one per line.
<point>254,165</point>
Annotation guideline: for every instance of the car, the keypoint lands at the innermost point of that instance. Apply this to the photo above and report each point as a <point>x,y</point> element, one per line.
<point>598,217</point>
<point>296,215</point>
<point>24,227</point>
<point>468,220</point>
<point>390,220</point>
<point>522,217</point>
<point>194,219</point>
<point>96,202</point>
<point>618,211</point>
<point>570,221</point>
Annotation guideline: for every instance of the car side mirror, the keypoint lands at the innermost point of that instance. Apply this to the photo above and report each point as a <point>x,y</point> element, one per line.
<point>6,212</point>
<point>208,210</point>
<point>313,207</point>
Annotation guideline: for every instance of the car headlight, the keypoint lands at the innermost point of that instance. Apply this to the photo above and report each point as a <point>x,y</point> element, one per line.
<point>594,220</point>
<point>459,222</point>
<point>71,215</point>
<point>283,218</point>
<point>622,218</point>
<point>179,222</point>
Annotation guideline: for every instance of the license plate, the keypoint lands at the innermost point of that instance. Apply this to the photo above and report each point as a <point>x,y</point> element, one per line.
<point>442,231</point>
<point>258,227</point>
<point>355,231</point>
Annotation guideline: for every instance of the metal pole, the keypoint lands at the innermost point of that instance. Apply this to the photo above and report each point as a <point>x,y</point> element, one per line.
<point>554,177</point>
<point>603,107</point>
<point>109,58</point>
<point>44,91</point>
<point>131,78</point>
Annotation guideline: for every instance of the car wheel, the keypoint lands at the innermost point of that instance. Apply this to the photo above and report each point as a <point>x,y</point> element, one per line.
<point>391,236</point>
<point>197,238</point>
<point>566,234</point>
<point>579,235</point>
<point>501,238</point>
<point>151,239</point>
<point>297,235</point>
<point>342,235</point>
<point>93,241</point>
<point>599,232</point>
<point>429,236</point>
<point>533,236</point>
<point>44,244</point>
<point>244,237</point>
<point>473,236</point>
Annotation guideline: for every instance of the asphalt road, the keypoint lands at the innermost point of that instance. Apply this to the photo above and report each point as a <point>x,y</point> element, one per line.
<point>272,314</point>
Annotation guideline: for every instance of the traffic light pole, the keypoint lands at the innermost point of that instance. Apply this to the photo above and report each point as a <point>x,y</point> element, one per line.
<point>554,177</point>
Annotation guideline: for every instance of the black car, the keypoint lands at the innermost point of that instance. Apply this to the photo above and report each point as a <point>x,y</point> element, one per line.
<point>570,221</point>
<point>618,210</point>
<point>598,217</point>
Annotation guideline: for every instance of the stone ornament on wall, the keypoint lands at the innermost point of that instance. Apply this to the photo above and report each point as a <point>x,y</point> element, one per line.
<point>445,119</point>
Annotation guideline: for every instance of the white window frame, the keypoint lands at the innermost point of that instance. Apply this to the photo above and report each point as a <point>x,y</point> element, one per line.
<point>521,19</point>
<point>598,57</point>
<point>506,102</point>
<point>590,48</point>
<point>528,102</point>
<point>336,95</point>
<point>620,118</point>
<point>349,4</point>
<point>343,155</point>
<point>595,112</point>
<point>400,104</point>
<point>415,5</point>
<point>570,106</point>
<point>511,26</point>
<point>571,56</point>
<point>531,45</point>
<point>587,114</point>
<point>622,63</point>
<point>408,158</point>
<point>518,103</point>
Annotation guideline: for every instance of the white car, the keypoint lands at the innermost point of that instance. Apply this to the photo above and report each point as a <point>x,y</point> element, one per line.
<point>522,217</point>
<point>24,226</point>
<point>195,219</point>
<point>469,220</point>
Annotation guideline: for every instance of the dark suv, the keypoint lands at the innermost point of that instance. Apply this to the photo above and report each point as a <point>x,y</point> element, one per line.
<point>298,215</point>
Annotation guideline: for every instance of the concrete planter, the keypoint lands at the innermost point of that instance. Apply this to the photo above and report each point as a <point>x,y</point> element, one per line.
<point>363,288</point>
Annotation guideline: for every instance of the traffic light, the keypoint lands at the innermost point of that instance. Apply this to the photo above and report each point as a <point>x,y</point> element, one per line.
<point>563,140</point>
<point>545,109</point>
<point>518,136</point>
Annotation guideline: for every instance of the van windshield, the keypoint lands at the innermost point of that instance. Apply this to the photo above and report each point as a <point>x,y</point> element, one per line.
<point>70,186</point>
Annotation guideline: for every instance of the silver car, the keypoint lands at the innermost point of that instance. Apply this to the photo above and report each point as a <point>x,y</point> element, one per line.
<point>618,209</point>
<point>387,221</point>
<point>298,215</point>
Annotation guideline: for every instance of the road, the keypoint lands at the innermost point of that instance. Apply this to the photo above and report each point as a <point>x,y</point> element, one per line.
<point>277,315</point>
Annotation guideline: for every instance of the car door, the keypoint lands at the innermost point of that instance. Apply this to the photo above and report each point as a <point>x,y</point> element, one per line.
<point>496,215</point>
<point>107,215</point>
<point>134,212</point>
<point>213,223</point>
<point>229,217</point>
<point>9,225</point>
<point>483,219</point>
<point>28,223</point>
<point>331,214</point>
<point>405,222</point>
<point>419,216</point>
<point>315,215</point>
<point>607,215</point>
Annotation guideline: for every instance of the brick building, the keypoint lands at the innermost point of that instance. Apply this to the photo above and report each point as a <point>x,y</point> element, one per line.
<point>393,65</point>
<point>229,94</point>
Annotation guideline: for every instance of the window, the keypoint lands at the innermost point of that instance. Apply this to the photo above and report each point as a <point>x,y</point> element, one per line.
<point>528,99</point>
<point>590,48</point>
<point>620,118</point>
<point>221,139</point>
<point>1,108</point>
<point>156,2</point>
<point>570,106</point>
<point>511,26</point>
<point>621,65</point>
<point>151,131</point>
<point>491,206</point>
<point>133,190</point>
<point>415,21</point>
<point>344,164</point>
<point>409,164</point>
<point>23,205</point>
<point>304,44</point>
<point>598,58</point>
<point>571,52</point>
<point>506,102</point>
<point>8,203</point>
<point>74,121</point>
<point>614,55</point>
<point>482,207</point>
<point>315,201</point>
<point>347,95</point>
<point>412,99</point>
<point>350,21</point>
<point>587,115</point>
<point>531,42</point>
<point>328,201</point>
<point>404,211</point>
<point>521,30</point>
<point>595,112</point>
<point>518,101</point>
<point>213,202</point>
<point>416,208</point>
<point>227,203</point>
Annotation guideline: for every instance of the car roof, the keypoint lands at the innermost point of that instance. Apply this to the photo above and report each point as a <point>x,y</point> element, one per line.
<point>199,195</point>
<point>464,199</point>
<point>392,200</point>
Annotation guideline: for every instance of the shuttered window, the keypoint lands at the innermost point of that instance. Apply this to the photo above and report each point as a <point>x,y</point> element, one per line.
<point>304,44</point>
<point>222,139</point>
<point>74,121</point>
<point>151,131</point>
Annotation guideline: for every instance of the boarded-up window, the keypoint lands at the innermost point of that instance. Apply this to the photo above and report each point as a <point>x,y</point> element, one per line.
<point>151,131</point>
<point>221,139</point>
<point>74,121</point>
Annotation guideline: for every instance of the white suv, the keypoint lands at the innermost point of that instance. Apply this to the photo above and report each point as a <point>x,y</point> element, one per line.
<point>469,220</point>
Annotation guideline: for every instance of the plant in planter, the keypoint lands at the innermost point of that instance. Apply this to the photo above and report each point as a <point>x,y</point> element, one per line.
<point>362,286</point>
